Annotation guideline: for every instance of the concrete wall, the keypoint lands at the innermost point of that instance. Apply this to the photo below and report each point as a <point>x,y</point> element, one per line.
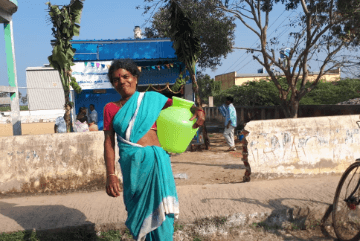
<point>320,145</point>
<point>329,77</point>
<point>33,116</point>
<point>52,162</point>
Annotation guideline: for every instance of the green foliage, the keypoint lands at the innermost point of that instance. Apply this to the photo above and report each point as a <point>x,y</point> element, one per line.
<point>330,93</point>
<point>179,82</point>
<point>186,44</point>
<point>65,25</point>
<point>110,235</point>
<point>262,93</point>
<point>265,93</point>
<point>8,108</point>
<point>207,87</point>
<point>212,26</point>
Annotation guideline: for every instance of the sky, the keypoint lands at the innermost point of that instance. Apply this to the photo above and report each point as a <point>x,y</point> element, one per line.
<point>112,19</point>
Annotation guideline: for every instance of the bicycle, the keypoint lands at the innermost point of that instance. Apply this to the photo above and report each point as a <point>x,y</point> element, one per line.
<point>346,209</point>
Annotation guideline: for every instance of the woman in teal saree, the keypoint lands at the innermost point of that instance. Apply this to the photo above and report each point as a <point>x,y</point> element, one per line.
<point>149,189</point>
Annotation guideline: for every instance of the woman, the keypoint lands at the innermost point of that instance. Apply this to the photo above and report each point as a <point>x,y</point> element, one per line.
<point>149,188</point>
<point>81,124</point>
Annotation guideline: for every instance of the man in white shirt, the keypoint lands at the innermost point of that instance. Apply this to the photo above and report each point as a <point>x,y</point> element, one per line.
<point>93,119</point>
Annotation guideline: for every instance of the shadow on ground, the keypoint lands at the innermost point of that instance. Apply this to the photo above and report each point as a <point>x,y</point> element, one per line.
<point>48,217</point>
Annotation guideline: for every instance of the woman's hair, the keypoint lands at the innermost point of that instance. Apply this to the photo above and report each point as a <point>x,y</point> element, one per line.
<point>229,98</point>
<point>126,64</point>
<point>81,116</point>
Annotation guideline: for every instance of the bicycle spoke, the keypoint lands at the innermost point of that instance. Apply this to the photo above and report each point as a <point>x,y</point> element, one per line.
<point>346,217</point>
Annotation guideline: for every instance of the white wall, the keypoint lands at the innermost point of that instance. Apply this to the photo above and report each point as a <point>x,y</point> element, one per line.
<point>318,145</point>
<point>33,116</point>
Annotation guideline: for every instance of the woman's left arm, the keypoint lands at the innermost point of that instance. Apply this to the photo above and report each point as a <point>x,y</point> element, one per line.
<point>200,115</point>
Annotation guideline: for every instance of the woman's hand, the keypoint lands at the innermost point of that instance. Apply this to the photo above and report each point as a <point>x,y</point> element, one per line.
<point>200,115</point>
<point>113,188</point>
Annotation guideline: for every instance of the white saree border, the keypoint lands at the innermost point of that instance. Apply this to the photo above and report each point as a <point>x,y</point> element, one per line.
<point>168,205</point>
<point>132,121</point>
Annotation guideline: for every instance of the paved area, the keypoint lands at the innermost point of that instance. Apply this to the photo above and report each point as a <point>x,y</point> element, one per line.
<point>196,201</point>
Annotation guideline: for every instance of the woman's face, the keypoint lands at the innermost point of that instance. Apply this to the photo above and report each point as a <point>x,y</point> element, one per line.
<point>124,82</point>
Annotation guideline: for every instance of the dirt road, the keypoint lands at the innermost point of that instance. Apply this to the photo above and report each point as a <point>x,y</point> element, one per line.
<point>28,129</point>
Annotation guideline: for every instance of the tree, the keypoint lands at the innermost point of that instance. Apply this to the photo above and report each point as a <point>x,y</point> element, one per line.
<point>187,48</point>
<point>22,98</point>
<point>323,26</point>
<point>207,87</point>
<point>214,29</point>
<point>65,22</point>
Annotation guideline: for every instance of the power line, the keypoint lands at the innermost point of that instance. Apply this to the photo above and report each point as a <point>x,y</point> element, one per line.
<point>269,37</point>
<point>255,43</point>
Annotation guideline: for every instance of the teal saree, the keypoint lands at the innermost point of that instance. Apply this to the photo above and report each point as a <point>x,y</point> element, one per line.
<point>149,188</point>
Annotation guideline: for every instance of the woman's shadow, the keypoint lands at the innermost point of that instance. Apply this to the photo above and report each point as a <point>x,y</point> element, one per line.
<point>48,217</point>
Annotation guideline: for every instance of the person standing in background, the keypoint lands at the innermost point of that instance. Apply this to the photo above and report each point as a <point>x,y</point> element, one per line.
<point>230,123</point>
<point>93,119</point>
<point>60,125</point>
<point>81,124</point>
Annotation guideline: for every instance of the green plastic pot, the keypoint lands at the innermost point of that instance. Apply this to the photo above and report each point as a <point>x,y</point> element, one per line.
<point>174,128</point>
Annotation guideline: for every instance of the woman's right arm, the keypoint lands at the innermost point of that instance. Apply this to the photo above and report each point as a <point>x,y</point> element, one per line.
<point>112,182</point>
<point>113,188</point>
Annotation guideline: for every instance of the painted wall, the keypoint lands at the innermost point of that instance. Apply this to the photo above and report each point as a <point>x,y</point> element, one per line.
<point>230,79</point>
<point>320,145</point>
<point>227,80</point>
<point>327,77</point>
<point>52,162</point>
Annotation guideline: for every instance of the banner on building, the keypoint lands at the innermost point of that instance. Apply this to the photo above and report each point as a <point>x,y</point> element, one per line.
<point>92,75</point>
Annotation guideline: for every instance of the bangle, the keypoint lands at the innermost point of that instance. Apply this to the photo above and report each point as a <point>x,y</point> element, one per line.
<point>111,175</point>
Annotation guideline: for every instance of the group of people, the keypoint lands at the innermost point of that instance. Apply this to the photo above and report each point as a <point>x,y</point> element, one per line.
<point>83,122</point>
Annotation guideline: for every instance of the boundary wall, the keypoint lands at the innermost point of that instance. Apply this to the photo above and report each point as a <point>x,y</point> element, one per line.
<point>53,162</point>
<point>33,116</point>
<point>321,145</point>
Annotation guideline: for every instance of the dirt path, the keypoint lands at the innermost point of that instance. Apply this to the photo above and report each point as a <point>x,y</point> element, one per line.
<point>212,166</point>
<point>28,129</point>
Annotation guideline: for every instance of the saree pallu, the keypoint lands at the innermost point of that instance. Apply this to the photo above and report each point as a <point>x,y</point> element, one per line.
<point>149,187</point>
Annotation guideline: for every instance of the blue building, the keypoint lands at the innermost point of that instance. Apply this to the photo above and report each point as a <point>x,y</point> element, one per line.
<point>156,57</point>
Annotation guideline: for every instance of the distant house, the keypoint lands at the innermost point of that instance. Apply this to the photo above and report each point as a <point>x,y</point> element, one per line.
<point>44,89</point>
<point>230,79</point>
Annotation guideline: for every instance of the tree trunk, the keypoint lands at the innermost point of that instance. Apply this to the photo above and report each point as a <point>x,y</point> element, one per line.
<point>294,109</point>
<point>290,109</point>
<point>67,112</point>
<point>199,103</point>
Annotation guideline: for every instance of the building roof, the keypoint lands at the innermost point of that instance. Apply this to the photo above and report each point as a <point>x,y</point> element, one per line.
<point>45,90</point>
<point>136,49</point>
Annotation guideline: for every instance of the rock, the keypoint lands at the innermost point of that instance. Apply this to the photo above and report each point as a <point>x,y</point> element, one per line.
<point>355,101</point>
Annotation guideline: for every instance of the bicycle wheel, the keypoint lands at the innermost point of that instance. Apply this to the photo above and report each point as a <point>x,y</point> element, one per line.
<point>346,209</point>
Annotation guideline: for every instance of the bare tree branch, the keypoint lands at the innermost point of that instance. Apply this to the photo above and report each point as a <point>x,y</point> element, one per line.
<point>241,19</point>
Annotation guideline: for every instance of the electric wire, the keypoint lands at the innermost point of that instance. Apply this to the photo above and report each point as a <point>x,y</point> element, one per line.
<point>259,40</point>
<point>255,42</point>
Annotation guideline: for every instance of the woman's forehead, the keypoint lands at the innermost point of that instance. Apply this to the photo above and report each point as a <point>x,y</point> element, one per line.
<point>121,72</point>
